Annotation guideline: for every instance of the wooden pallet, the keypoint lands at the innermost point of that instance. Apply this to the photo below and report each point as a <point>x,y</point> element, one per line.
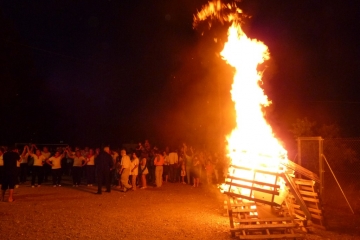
<point>238,209</point>
<point>301,170</point>
<point>246,224</point>
<point>266,228</point>
<point>309,194</point>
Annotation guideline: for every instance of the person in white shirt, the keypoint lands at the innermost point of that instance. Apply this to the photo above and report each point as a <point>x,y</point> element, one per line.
<point>90,167</point>
<point>55,163</point>
<point>79,162</point>
<point>134,170</point>
<point>125,171</point>
<point>46,167</point>
<point>143,172</point>
<point>37,169</point>
<point>173,161</point>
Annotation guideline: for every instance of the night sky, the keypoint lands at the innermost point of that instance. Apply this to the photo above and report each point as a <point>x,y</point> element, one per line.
<point>93,72</point>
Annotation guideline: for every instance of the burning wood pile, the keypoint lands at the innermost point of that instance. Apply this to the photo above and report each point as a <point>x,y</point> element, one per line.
<point>263,204</point>
<point>261,180</point>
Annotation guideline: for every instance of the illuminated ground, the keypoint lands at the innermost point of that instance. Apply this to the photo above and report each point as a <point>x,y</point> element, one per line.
<point>174,211</point>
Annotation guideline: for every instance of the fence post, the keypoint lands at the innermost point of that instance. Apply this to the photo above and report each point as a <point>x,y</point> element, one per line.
<point>321,165</point>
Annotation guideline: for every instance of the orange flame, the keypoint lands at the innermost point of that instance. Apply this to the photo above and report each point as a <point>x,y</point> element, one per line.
<point>252,143</point>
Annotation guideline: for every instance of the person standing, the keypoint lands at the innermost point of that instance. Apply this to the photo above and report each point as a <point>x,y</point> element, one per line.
<point>24,164</point>
<point>46,167</point>
<point>55,163</point>
<point>125,170</point>
<point>37,168</point>
<point>188,159</point>
<point>143,172</point>
<point>195,170</point>
<point>79,162</point>
<point>158,162</point>
<point>166,167</point>
<point>103,165</point>
<point>90,167</point>
<point>173,161</point>
<point>134,170</point>
<point>10,159</point>
<point>115,157</point>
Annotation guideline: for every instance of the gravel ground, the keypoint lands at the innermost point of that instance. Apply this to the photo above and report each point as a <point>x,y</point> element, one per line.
<point>174,211</point>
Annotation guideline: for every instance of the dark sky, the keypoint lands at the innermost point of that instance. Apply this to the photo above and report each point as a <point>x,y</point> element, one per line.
<point>91,72</point>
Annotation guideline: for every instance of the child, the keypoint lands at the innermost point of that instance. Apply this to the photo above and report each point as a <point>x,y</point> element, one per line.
<point>183,172</point>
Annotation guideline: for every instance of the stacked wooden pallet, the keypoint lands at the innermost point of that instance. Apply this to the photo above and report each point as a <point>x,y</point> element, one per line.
<point>267,228</point>
<point>238,209</point>
<point>246,224</point>
<point>310,196</point>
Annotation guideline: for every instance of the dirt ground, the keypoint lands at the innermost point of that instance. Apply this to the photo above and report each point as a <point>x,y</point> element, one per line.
<point>174,211</point>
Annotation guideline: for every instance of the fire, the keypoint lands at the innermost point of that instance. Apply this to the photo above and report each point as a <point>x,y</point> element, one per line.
<point>252,143</point>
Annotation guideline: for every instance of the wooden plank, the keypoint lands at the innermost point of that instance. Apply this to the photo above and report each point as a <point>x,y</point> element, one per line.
<point>300,217</point>
<point>303,171</point>
<point>317,216</point>
<point>241,204</point>
<point>255,170</point>
<point>230,214</point>
<point>315,210</point>
<point>266,226</point>
<point>252,181</point>
<point>298,211</point>
<point>314,200</point>
<point>251,199</point>
<point>295,192</point>
<point>233,207</point>
<point>283,219</point>
<point>237,210</point>
<point>306,188</point>
<point>272,236</point>
<point>302,182</point>
<point>296,206</point>
<point>313,194</point>
<point>274,192</point>
<point>312,205</point>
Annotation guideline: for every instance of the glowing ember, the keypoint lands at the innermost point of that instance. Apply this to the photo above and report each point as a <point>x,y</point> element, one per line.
<point>252,143</point>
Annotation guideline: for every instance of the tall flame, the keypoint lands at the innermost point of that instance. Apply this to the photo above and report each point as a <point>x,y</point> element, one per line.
<point>252,143</point>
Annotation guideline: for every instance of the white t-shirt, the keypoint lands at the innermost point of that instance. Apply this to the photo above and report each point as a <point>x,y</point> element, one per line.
<point>78,161</point>
<point>125,161</point>
<point>38,160</point>
<point>173,158</point>
<point>91,161</point>
<point>56,162</point>
<point>133,163</point>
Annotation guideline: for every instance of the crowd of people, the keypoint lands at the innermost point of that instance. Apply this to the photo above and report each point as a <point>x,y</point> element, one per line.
<point>142,166</point>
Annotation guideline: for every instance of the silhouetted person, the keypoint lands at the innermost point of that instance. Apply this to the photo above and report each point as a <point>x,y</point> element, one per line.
<point>10,173</point>
<point>103,165</point>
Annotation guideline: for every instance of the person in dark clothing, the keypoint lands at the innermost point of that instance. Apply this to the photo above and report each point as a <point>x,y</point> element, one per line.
<point>103,164</point>
<point>10,173</point>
